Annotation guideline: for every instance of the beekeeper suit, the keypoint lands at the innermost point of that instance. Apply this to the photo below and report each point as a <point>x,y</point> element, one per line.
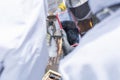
<point>23,53</point>
<point>98,55</point>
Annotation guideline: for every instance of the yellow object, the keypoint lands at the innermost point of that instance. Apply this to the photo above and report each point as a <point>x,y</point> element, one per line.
<point>62,6</point>
<point>91,24</point>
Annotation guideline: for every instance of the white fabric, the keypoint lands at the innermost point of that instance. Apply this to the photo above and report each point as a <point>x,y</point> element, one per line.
<point>65,16</point>
<point>98,55</point>
<point>52,6</point>
<point>97,5</point>
<point>22,39</point>
<point>53,48</point>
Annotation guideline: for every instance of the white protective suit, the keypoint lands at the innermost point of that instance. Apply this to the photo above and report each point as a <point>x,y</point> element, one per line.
<point>98,55</point>
<point>22,39</point>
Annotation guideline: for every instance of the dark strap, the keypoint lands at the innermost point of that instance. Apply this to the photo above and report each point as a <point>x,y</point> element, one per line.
<point>1,67</point>
<point>70,2</point>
